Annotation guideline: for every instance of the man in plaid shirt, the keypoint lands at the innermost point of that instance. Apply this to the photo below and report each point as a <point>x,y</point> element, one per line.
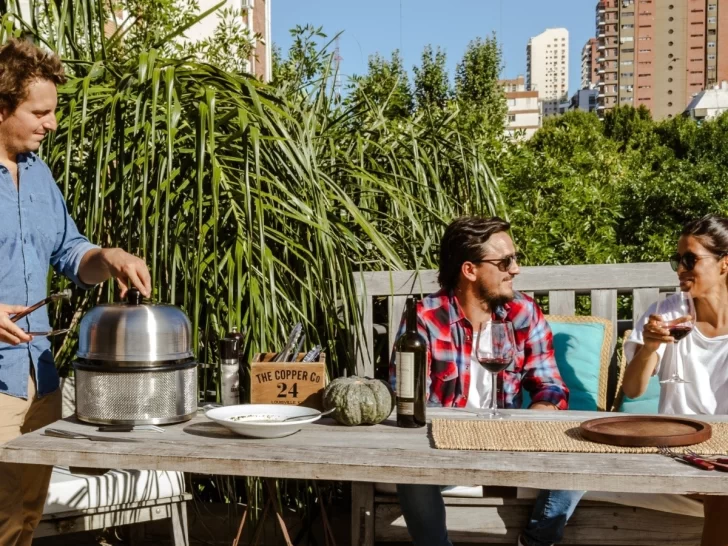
<point>478,262</point>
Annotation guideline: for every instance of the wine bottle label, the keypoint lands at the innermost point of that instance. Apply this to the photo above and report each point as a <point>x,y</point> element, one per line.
<point>405,408</point>
<point>405,364</point>
<point>230,388</point>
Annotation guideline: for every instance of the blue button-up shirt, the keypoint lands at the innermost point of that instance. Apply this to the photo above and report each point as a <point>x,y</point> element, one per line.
<point>35,232</point>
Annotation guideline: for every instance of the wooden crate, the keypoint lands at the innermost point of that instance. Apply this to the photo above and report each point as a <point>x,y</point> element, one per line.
<point>292,383</point>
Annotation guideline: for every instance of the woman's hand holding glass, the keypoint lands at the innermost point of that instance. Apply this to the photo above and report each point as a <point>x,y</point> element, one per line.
<point>661,328</point>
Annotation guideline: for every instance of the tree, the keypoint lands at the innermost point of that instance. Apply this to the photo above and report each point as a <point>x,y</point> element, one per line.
<point>677,175</point>
<point>432,88</point>
<point>143,24</point>
<point>384,88</point>
<point>561,189</point>
<point>478,93</point>
<point>628,126</point>
<point>308,59</point>
<point>230,46</point>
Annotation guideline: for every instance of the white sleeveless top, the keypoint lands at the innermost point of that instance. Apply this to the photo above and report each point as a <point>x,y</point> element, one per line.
<point>698,359</point>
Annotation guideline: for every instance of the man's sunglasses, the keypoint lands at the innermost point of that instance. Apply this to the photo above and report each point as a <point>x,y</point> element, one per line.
<point>689,259</point>
<point>503,264</point>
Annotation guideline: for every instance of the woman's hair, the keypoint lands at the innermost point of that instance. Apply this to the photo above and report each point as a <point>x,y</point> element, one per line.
<point>463,242</point>
<point>712,231</point>
<point>22,63</point>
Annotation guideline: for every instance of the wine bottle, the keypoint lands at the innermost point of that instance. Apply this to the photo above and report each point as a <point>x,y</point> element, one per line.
<point>411,369</point>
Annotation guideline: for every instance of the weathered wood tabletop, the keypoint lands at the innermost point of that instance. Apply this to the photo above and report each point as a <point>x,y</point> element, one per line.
<point>382,453</point>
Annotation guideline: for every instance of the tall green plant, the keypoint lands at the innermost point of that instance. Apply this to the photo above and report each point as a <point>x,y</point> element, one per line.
<point>251,207</point>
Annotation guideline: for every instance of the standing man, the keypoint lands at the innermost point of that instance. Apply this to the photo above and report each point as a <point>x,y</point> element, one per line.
<point>478,262</point>
<point>36,232</point>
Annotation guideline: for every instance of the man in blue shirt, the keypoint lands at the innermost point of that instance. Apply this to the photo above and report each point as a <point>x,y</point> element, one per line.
<point>36,232</point>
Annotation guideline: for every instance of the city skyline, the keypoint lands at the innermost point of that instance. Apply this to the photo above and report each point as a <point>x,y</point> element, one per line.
<point>424,22</point>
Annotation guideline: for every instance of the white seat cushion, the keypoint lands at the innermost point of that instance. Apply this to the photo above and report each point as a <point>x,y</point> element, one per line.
<point>69,492</point>
<point>463,491</point>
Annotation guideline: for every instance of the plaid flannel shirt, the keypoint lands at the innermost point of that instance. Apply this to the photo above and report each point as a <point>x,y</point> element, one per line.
<point>449,337</point>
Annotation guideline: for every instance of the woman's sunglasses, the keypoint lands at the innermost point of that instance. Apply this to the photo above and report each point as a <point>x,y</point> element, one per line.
<point>689,259</point>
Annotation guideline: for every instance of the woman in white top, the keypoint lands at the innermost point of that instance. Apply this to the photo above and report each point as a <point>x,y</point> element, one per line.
<point>701,263</point>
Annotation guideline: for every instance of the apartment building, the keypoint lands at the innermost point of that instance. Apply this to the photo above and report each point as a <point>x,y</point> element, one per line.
<point>589,68</point>
<point>584,100</point>
<point>524,112</point>
<point>660,53</point>
<point>547,68</point>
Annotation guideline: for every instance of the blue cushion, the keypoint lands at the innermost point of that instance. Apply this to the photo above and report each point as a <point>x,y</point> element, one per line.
<point>647,403</point>
<point>578,352</point>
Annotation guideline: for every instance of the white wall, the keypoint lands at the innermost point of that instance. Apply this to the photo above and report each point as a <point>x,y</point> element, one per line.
<point>517,108</point>
<point>207,26</point>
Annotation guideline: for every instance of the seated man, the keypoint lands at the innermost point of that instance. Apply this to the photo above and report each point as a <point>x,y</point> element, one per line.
<point>477,265</point>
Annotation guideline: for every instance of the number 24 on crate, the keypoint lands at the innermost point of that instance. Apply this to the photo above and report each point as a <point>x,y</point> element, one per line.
<point>294,383</point>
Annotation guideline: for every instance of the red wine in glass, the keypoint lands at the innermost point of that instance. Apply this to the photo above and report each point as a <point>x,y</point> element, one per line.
<point>679,331</point>
<point>495,355</point>
<point>494,365</point>
<point>682,305</point>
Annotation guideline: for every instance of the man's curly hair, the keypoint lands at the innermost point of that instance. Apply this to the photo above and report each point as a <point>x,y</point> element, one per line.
<point>22,63</point>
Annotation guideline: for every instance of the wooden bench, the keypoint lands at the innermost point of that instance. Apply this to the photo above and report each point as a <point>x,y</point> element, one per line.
<point>498,517</point>
<point>78,503</point>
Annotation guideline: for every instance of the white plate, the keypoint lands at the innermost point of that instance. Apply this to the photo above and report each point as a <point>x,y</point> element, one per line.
<point>265,419</point>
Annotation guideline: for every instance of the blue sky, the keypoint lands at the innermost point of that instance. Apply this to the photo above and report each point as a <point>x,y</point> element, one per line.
<point>375,26</point>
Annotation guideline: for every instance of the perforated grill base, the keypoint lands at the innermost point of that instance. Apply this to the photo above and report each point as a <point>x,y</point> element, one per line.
<point>154,397</point>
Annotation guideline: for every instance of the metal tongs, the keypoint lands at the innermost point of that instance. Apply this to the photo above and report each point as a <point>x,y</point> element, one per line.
<point>70,435</point>
<point>63,295</point>
<point>693,459</point>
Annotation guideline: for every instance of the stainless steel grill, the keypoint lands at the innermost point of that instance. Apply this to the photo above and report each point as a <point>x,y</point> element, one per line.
<point>135,398</point>
<point>135,365</point>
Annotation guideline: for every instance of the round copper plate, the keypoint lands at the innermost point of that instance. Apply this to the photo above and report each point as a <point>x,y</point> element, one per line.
<point>645,431</point>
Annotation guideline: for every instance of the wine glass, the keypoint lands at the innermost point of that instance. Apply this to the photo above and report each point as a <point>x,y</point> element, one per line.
<point>681,304</point>
<point>495,353</point>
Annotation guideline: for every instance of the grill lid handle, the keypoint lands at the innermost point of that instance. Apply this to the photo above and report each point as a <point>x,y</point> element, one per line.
<point>133,296</point>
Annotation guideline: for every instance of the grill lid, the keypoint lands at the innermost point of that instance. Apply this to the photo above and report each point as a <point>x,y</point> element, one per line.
<point>135,331</point>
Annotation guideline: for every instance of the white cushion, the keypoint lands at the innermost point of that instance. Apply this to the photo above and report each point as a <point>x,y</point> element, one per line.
<point>69,492</point>
<point>463,491</point>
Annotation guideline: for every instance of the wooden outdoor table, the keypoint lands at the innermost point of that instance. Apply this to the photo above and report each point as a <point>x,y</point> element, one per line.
<point>382,453</point>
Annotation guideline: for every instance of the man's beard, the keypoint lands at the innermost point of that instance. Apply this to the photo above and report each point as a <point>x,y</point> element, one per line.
<point>493,299</point>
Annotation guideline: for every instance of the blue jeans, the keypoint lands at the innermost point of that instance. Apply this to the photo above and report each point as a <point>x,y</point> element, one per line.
<point>424,514</point>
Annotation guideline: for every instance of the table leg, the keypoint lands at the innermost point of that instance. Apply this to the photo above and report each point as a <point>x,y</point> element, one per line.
<point>329,539</point>
<point>279,515</point>
<point>240,528</point>
<point>362,514</point>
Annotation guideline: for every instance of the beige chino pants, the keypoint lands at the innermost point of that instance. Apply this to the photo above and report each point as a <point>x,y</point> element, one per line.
<point>23,487</point>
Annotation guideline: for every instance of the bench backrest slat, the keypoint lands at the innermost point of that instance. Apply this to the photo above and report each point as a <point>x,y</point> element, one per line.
<point>646,282</point>
<point>643,298</point>
<point>604,305</point>
<point>396,308</point>
<point>562,302</point>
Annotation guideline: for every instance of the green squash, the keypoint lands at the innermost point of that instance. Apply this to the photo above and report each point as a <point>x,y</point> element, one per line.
<point>359,400</point>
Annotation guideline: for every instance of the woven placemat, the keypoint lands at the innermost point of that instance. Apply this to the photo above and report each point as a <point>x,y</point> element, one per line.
<point>548,436</point>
